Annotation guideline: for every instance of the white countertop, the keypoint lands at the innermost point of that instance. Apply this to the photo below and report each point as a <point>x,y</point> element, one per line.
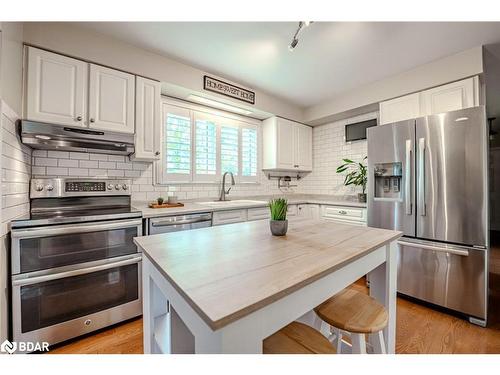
<point>191,207</point>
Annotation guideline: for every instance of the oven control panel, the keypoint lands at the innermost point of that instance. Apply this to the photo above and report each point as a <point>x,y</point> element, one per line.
<point>64,187</point>
<point>85,186</point>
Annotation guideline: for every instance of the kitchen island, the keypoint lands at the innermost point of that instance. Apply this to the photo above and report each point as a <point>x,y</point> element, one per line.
<point>225,289</point>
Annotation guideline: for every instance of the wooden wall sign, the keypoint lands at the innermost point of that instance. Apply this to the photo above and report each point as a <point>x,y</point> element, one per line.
<point>227,89</point>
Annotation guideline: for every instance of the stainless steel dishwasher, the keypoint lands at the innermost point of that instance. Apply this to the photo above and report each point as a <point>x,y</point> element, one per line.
<point>177,223</point>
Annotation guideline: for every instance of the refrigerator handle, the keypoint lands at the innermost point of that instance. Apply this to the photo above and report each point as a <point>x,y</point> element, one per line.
<point>408,178</point>
<point>421,176</point>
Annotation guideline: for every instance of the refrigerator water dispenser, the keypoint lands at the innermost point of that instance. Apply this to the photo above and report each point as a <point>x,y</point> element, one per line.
<point>388,178</point>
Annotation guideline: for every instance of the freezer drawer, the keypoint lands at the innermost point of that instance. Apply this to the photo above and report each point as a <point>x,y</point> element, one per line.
<point>450,276</point>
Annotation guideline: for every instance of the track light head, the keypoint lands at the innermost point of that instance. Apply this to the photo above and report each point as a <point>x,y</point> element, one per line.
<point>292,45</point>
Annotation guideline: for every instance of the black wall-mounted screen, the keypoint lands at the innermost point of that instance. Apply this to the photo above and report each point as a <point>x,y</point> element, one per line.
<point>357,131</point>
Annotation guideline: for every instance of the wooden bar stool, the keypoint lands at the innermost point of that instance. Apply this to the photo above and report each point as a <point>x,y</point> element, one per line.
<point>360,315</point>
<point>297,338</point>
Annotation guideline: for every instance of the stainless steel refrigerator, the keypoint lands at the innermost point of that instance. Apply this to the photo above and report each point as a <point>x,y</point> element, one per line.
<point>428,178</point>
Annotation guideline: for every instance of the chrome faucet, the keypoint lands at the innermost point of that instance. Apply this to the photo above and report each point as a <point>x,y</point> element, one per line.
<point>223,191</point>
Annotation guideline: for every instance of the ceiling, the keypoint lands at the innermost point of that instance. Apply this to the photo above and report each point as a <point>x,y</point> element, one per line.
<point>331,57</point>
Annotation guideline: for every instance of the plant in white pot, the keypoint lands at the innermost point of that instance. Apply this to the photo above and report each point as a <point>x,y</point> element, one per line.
<point>278,222</point>
<point>357,175</point>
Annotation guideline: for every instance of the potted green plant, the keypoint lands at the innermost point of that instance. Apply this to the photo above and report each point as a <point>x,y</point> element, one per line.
<point>357,175</point>
<point>160,201</point>
<point>278,222</point>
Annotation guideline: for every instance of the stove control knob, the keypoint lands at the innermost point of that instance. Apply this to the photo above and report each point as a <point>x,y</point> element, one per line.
<point>49,187</point>
<point>39,187</point>
<point>125,187</point>
<point>110,187</point>
<point>118,186</point>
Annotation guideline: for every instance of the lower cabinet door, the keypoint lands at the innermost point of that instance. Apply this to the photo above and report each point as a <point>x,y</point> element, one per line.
<point>229,217</point>
<point>258,213</point>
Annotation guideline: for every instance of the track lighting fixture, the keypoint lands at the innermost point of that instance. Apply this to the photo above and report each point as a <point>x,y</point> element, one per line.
<point>295,39</point>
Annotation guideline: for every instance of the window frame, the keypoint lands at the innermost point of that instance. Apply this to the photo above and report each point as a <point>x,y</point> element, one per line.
<point>220,118</point>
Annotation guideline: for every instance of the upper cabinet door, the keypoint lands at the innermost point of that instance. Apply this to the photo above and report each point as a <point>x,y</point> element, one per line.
<point>111,100</point>
<point>303,158</point>
<point>56,88</point>
<point>399,109</point>
<point>147,119</point>
<point>451,97</point>
<point>286,136</point>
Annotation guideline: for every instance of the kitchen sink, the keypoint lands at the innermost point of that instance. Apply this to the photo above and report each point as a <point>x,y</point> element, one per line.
<point>233,203</point>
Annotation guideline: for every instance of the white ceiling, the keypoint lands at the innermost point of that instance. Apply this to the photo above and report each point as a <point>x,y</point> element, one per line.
<point>331,58</point>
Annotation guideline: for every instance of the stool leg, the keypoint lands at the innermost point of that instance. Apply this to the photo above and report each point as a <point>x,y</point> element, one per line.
<point>378,343</point>
<point>358,343</point>
<point>338,339</point>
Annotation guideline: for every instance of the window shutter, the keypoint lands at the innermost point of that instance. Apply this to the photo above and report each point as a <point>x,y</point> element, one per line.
<point>249,149</point>
<point>205,149</point>
<point>229,149</point>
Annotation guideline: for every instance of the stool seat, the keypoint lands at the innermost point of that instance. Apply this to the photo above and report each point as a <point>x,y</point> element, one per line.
<point>297,338</point>
<point>353,311</point>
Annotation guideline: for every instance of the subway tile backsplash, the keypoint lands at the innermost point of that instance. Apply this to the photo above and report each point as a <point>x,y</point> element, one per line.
<point>328,150</point>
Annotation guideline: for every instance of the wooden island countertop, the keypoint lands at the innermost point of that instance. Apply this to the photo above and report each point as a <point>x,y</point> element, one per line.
<point>227,272</point>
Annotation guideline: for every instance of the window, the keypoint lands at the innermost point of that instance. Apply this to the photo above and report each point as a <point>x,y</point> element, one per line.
<point>199,146</point>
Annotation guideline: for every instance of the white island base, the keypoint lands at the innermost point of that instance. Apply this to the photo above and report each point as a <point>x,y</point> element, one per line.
<point>175,323</point>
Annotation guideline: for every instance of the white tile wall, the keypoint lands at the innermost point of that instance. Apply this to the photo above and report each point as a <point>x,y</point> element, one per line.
<point>16,169</point>
<point>329,148</point>
<point>75,164</point>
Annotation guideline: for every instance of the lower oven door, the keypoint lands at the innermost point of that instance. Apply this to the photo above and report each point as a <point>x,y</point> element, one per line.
<point>54,307</point>
<point>41,248</point>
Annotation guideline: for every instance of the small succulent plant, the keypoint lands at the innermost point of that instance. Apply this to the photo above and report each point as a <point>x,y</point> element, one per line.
<point>160,200</point>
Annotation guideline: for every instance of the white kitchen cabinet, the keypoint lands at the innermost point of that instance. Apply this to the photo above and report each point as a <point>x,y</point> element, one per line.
<point>258,213</point>
<point>314,211</point>
<point>147,119</point>
<point>450,97</point>
<point>350,215</point>
<point>287,145</point>
<point>403,108</point>
<point>111,100</point>
<point>291,210</point>
<point>303,211</point>
<point>56,88</point>
<point>229,217</point>
<point>303,156</point>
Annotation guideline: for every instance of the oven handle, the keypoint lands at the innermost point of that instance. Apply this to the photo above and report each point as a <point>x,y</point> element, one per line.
<point>75,228</point>
<point>81,271</point>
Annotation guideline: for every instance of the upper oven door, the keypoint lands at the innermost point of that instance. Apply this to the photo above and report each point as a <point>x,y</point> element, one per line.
<point>41,248</point>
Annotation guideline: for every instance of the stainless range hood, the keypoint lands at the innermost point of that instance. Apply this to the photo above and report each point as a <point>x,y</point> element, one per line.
<point>56,137</point>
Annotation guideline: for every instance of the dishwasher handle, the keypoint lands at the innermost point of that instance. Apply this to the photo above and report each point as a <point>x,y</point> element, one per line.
<point>166,223</point>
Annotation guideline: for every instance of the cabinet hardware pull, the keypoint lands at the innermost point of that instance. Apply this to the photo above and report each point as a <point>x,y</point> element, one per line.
<point>342,212</point>
<point>157,153</point>
<point>92,120</point>
<point>79,118</point>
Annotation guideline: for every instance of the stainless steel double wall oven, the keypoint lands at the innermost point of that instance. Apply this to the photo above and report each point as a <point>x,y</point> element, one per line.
<point>75,267</point>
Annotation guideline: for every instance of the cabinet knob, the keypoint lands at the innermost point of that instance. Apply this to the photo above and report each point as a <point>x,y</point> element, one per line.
<point>157,153</point>
<point>79,118</point>
<point>296,165</point>
<point>92,120</point>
